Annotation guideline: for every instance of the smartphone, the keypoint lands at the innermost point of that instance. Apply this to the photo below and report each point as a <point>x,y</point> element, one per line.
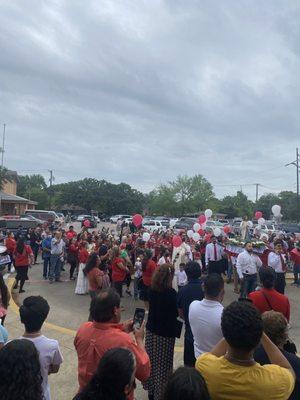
<point>138,318</point>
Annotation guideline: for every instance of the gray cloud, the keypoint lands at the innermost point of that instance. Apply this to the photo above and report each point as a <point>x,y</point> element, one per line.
<point>141,91</point>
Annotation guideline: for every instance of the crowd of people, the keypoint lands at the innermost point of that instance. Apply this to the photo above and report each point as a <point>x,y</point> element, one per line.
<point>238,352</point>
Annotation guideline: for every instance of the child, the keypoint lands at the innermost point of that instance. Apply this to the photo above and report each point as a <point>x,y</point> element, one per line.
<point>181,276</point>
<point>197,254</point>
<point>137,277</point>
<point>33,314</point>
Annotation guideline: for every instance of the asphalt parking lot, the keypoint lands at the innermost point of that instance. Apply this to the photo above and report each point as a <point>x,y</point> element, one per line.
<point>69,310</point>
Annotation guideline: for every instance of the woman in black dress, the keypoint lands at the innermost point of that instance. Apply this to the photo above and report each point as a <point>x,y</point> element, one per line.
<point>161,330</point>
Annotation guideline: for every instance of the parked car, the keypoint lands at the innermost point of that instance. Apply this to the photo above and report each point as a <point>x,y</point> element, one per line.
<point>13,225</point>
<point>154,226</point>
<point>210,225</point>
<point>164,221</point>
<point>114,218</point>
<point>92,220</point>
<point>223,222</point>
<point>46,216</point>
<point>289,228</point>
<point>185,223</point>
<point>31,218</point>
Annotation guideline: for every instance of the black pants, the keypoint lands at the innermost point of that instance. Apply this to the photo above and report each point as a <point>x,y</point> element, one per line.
<point>280,282</point>
<point>118,286</point>
<point>215,267</point>
<point>73,265</point>
<point>189,354</point>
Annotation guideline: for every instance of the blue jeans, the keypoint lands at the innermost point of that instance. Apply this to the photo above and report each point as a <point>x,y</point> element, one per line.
<point>248,285</point>
<point>46,269</point>
<point>55,267</point>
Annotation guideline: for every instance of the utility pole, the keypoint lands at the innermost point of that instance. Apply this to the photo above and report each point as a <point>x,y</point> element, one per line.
<point>256,195</point>
<point>296,164</point>
<point>3,144</point>
<point>50,187</point>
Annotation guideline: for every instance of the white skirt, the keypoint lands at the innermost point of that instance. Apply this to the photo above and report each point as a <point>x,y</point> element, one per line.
<point>82,282</point>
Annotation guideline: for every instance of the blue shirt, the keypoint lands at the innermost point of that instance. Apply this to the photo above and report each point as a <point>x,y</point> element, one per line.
<point>46,244</point>
<point>190,292</point>
<point>3,334</point>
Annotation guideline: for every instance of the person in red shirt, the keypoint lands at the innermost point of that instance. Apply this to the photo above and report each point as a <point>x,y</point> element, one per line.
<point>268,298</point>
<point>72,256</point>
<point>10,244</point>
<point>23,257</point>
<point>119,270</point>
<point>295,257</point>
<point>94,274</point>
<point>148,268</point>
<point>71,233</point>
<point>82,283</point>
<point>105,332</point>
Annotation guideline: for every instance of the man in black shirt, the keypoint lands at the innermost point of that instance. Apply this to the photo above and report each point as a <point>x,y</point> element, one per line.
<point>192,291</point>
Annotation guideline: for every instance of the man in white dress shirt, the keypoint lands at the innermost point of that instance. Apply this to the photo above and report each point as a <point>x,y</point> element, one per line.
<point>247,265</point>
<point>213,256</point>
<point>205,315</point>
<point>277,261</point>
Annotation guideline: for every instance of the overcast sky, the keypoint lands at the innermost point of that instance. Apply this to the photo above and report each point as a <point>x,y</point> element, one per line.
<point>142,91</point>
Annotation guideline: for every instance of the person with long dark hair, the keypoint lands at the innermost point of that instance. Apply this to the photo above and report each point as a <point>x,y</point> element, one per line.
<point>23,259</point>
<point>161,330</point>
<point>4,299</point>
<point>118,362</point>
<point>20,371</point>
<point>94,274</point>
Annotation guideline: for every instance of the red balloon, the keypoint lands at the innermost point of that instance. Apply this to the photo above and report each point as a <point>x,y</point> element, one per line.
<point>202,219</point>
<point>137,220</point>
<point>258,214</point>
<point>227,229</point>
<point>176,241</point>
<point>201,232</point>
<point>87,223</point>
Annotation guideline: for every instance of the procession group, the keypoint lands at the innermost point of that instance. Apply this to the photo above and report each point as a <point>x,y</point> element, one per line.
<point>237,352</point>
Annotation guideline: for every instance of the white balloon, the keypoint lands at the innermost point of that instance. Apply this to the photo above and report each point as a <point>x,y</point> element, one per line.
<point>196,227</point>
<point>276,210</point>
<point>261,221</point>
<point>146,237</point>
<point>250,224</point>
<point>190,233</point>
<point>196,237</point>
<point>208,213</point>
<point>217,231</point>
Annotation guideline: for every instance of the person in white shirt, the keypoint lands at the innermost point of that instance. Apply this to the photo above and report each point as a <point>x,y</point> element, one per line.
<point>165,258</point>
<point>247,265</point>
<point>213,256</point>
<point>33,313</point>
<point>137,275</point>
<point>277,261</point>
<point>205,315</point>
<point>181,277</point>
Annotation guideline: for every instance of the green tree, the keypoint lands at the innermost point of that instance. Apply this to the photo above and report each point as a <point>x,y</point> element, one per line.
<point>182,196</point>
<point>4,177</point>
<point>236,206</point>
<point>265,203</point>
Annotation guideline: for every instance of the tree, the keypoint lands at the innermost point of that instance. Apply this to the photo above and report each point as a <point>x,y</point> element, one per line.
<point>28,182</point>
<point>265,203</point>
<point>4,177</point>
<point>236,206</point>
<point>183,196</point>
